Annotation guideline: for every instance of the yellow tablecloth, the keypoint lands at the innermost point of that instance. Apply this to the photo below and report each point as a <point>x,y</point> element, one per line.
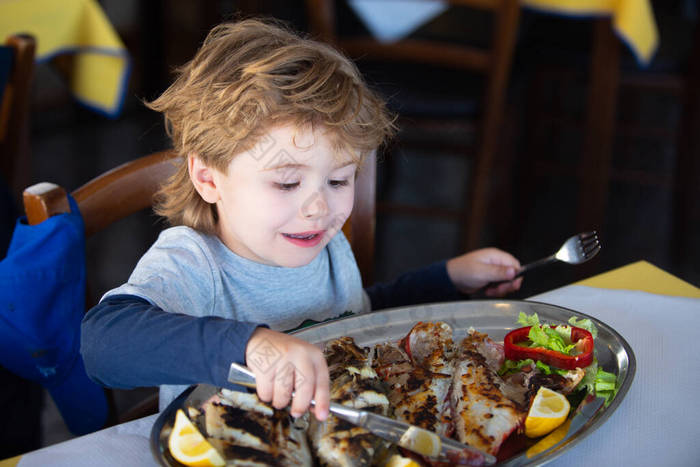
<point>101,63</point>
<point>11,462</point>
<point>643,276</point>
<point>633,20</point>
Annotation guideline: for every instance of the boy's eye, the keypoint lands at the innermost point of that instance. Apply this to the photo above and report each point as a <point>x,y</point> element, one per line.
<point>286,186</point>
<point>338,183</point>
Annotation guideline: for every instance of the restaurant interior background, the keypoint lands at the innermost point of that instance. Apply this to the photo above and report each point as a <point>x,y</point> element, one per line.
<point>533,208</point>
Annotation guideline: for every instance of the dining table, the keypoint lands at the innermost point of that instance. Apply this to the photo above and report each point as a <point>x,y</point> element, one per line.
<point>657,313</point>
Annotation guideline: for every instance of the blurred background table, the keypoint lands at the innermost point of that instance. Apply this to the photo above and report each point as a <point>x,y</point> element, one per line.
<point>81,38</point>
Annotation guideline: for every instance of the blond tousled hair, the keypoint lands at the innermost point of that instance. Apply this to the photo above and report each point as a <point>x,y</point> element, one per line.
<point>245,78</point>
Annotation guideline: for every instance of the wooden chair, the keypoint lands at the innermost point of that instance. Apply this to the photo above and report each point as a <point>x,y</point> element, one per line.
<point>492,62</point>
<point>14,114</point>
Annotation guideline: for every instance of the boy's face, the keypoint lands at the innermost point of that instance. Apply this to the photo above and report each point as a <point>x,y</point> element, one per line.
<point>281,202</point>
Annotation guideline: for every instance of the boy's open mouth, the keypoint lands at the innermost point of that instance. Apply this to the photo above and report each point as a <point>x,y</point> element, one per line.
<point>305,239</point>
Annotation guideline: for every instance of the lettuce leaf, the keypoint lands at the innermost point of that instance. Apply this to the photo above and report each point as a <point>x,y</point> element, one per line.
<point>599,382</point>
<point>558,338</point>
<point>584,323</point>
<point>548,338</point>
<point>588,381</point>
<point>544,368</point>
<point>606,385</point>
<point>525,320</point>
<point>513,366</point>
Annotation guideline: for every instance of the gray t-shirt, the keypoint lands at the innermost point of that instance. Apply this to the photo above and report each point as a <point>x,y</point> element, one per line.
<point>186,271</point>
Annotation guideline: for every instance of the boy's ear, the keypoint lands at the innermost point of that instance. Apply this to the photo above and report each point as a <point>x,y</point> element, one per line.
<point>202,178</point>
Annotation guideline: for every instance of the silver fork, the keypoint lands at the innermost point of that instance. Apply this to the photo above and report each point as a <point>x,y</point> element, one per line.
<point>576,250</point>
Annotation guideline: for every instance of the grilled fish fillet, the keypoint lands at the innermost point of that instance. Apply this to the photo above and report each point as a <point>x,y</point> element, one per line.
<point>494,355</point>
<point>418,395</point>
<point>430,346</point>
<point>353,383</point>
<point>249,432</point>
<point>483,416</point>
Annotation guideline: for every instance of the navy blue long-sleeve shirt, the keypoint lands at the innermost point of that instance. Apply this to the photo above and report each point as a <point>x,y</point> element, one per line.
<point>126,342</point>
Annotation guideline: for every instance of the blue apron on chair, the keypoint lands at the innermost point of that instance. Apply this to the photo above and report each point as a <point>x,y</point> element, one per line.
<point>42,302</point>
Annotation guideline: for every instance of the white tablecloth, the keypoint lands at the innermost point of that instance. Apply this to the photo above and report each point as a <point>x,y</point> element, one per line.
<point>656,424</point>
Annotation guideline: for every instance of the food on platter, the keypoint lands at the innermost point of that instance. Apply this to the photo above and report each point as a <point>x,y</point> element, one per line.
<point>418,395</point>
<point>353,383</point>
<point>560,357</point>
<point>399,461</point>
<point>247,431</point>
<point>548,411</point>
<point>497,397</point>
<point>449,390</point>
<point>188,446</point>
<point>483,416</point>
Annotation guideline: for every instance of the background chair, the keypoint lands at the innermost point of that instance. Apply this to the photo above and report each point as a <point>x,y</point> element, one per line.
<point>491,61</point>
<point>130,187</point>
<point>16,72</point>
<point>14,113</point>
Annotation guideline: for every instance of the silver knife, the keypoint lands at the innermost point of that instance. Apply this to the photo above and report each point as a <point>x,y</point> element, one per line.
<point>407,436</point>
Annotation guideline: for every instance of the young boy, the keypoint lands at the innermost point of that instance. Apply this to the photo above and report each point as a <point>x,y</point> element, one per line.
<point>272,129</point>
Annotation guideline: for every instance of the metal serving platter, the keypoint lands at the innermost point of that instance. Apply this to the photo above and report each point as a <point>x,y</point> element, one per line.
<point>494,317</point>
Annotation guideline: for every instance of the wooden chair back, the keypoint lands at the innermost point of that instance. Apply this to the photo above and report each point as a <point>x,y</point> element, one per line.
<point>14,114</point>
<point>493,62</point>
<point>107,198</point>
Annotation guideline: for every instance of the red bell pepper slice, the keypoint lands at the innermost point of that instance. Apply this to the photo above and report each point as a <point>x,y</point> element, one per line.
<point>583,338</point>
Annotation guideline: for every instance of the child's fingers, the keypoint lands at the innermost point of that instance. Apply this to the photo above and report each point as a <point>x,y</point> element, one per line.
<point>497,256</point>
<point>283,387</point>
<point>505,288</point>
<point>321,390</point>
<point>303,388</point>
<point>264,387</point>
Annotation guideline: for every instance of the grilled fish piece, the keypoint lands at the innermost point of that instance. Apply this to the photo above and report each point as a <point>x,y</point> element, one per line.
<point>418,396</point>
<point>430,346</point>
<point>483,416</point>
<point>514,387</point>
<point>492,351</point>
<point>355,384</point>
<point>247,431</point>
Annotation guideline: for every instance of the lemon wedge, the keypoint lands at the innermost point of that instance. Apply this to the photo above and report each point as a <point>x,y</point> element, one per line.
<point>400,461</point>
<point>421,441</point>
<point>548,441</point>
<point>187,445</point>
<point>547,412</point>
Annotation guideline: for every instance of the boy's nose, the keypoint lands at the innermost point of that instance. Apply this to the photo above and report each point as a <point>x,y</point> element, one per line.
<point>314,206</point>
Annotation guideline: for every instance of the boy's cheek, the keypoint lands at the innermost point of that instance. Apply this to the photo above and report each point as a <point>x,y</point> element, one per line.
<point>344,213</point>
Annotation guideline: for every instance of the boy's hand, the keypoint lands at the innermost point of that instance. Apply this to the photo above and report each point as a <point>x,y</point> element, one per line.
<point>283,365</point>
<point>474,270</point>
